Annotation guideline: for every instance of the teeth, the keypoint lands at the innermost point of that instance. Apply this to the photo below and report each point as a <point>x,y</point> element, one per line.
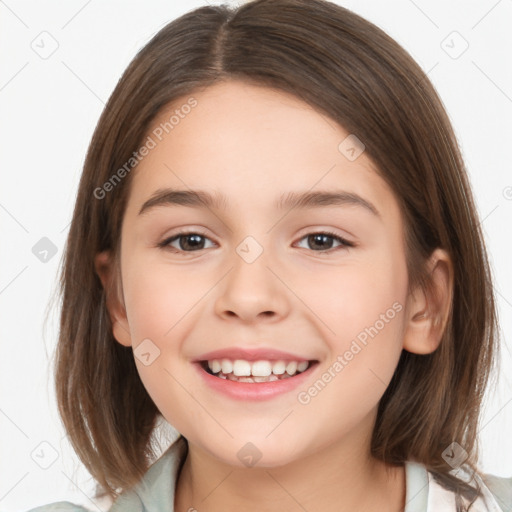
<point>303,365</point>
<point>241,368</point>
<point>226,365</point>
<point>257,371</point>
<point>261,369</point>
<point>214,366</point>
<point>270,378</point>
<point>240,379</point>
<point>291,368</point>
<point>279,367</point>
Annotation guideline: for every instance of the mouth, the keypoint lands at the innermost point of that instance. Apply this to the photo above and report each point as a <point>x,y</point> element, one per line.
<point>255,372</point>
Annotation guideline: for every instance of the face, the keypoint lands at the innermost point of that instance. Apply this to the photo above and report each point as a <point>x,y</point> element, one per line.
<point>254,276</point>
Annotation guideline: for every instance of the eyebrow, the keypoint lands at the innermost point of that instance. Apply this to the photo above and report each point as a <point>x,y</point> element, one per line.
<point>300,200</point>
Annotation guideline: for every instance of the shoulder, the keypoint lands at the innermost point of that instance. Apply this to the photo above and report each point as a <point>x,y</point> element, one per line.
<point>97,503</point>
<point>495,493</point>
<point>156,489</point>
<point>424,493</point>
<point>501,489</point>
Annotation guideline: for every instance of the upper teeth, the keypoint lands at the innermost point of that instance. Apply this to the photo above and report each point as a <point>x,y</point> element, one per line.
<point>261,368</point>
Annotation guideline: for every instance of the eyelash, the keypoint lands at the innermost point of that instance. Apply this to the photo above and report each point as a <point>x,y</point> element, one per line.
<point>165,244</point>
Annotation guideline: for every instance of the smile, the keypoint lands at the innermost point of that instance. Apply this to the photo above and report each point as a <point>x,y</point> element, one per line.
<point>240,370</point>
<point>254,380</point>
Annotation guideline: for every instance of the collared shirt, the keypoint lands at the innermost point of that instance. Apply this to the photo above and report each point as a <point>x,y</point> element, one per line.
<point>156,491</point>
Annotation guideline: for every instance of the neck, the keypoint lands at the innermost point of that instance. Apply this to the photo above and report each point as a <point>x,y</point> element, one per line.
<point>341,477</point>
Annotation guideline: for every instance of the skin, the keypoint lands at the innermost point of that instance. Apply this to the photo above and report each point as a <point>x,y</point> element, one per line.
<point>254,144</point>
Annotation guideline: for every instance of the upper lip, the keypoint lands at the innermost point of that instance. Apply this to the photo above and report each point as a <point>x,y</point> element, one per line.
<point>247,354</point>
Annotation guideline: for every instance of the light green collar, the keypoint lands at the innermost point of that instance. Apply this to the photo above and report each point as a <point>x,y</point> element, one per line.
<point>156,491</point>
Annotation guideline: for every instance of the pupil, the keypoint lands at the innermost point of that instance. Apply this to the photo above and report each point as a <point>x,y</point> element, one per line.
<point>320,241</point>
<point>196,242</point>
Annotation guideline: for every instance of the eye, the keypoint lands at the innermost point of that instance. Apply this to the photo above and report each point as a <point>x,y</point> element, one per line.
<point>323,241</point>
<point>192,242</point>
<point>187,242</point>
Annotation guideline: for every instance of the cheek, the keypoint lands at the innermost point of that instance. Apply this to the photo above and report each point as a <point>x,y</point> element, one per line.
<point>158,297</point>
<point>162,304</point>
<point>363,312</point>
<point>350,299</point>
<point>159,302</point>
<point>362,307</point>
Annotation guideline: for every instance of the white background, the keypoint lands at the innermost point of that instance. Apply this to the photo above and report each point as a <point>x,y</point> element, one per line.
<point>49,108</point>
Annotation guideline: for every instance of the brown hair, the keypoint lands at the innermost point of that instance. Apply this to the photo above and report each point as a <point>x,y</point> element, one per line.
<point>353,72</point>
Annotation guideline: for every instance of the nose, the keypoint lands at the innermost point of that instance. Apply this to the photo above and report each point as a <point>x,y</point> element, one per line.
<point>251,292</point>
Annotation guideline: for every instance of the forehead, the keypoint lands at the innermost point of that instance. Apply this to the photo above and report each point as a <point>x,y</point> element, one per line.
<point>251,142</point>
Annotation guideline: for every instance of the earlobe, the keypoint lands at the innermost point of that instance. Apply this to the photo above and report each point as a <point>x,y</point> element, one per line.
<point>106,270</point>
<point>428,309</point>
<point>121,333</point>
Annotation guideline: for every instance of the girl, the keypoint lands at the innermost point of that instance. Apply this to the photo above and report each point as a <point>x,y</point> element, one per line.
<point>275,249</point>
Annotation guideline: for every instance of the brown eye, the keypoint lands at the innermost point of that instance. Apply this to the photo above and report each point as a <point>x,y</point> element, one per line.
<point>325,241</point>
<point>185,242</point>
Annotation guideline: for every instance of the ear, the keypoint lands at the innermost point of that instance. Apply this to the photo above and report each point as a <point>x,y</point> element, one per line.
<point>428,309</point>
<point>110,279</point>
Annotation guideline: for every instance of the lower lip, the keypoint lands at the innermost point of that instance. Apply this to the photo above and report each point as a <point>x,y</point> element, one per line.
<point>256,390</point>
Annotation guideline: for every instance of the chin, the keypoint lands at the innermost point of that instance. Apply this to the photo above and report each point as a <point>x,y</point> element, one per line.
<point>257,451</point>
